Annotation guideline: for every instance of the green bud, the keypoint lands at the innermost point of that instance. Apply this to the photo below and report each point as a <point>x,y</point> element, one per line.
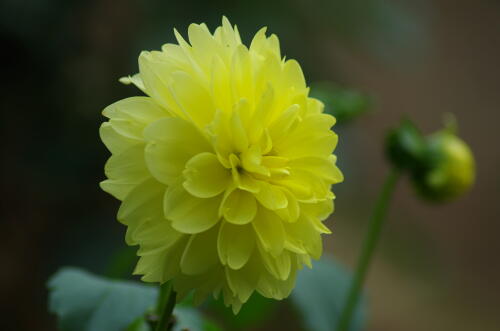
<point>449,168</point>
<point>441,165</point>
<point>405,147</point>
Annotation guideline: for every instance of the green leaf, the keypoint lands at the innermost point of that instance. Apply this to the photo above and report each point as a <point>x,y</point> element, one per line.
<point>188,319</point>
<point>320,294</point>
<point>345,104</point>
<point>85,302</point>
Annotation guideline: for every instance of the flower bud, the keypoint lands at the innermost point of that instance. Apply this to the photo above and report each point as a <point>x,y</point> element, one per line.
<point>441,165</point>
<point>405,147</point>
<point>449,168</point>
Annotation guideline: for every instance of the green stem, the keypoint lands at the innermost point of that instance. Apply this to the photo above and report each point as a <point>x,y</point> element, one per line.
<point>371,239</point>
<point>166,303</point>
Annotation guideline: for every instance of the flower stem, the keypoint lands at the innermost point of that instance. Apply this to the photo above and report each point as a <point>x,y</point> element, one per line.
<point>166,303</point>
<point>369,245</point>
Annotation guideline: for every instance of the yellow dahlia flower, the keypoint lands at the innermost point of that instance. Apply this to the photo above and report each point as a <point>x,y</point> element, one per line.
<point>224,169</point>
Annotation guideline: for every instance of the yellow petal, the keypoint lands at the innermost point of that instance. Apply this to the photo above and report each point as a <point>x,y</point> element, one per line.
<point>203,45</point>
<point>235,244</point>
<point>171,143</point>
<point>262,114</point>
<point>239,136</point>
<point>229,36</point>
<point>271,287</point>
<point>304,232</point>
<point>312,137</point>
<point>141,204</point>
<point>242,73</point>
<point>279,266</point>
<point>314,106</point>
<point>134,79</point>
<point>220,85</point>
<point>239,207</point>
<point>128,117</point>
<point>305,186</point>
<point>316,212</point>
<point>188,213</point>
<point>153,266</point>
<point>284,124</point>
<point>274,45</point>
<point>193,98</point>
<point>205,176</point>
<point>243,282</point>
<point>221,137</point>
<point>115,142</point>
<point>293,74</point>
<point>200,253</point>
<point>323,167</point>
<point>251,160</point>
<point>154,236</point>
<point>244,181</point>
<point>271,196</point>
<point>155,71</point>
<point>294,245</point>
<point>321,209</point>
<point>125,171</point>
<point>270,231</point>
<point>292,211</point>
<point>142,110</point>
<point>175,54</point>
<point>231,299</point>
<point>265,143</point>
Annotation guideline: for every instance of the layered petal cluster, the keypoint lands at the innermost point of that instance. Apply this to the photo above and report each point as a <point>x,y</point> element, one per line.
<point>224,168</point>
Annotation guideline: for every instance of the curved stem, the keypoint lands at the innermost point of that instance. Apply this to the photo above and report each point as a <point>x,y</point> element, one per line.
<point>166,303</point>
<point>369,245</point>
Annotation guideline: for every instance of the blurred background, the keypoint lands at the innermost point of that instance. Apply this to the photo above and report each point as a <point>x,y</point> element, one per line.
<point>437,267</point>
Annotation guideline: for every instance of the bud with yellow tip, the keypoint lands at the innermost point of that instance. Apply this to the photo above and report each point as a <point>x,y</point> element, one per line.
<point>441,165</point>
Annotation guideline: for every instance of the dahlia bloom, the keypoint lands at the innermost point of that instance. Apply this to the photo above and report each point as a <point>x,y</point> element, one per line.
<point>224,169</point>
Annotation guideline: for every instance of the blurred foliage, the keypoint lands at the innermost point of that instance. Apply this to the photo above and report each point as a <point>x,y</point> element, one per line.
<point>87,302</point>
<point>320,295</point>
<point>345,104</point>
<point>84,302</point>
<point>140,324</point>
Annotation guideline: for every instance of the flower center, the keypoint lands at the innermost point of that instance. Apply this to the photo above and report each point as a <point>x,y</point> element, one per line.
<point>262,167</point>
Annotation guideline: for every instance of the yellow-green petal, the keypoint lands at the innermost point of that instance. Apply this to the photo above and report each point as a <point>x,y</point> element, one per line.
<point>239,207</point>
<point>190,214</point>
<point>143,203</point>
<point>200,253</point>
<point>235,244</point>
<point>271,196</point>
<point>269,229</point>
<point>171,142</point>
<point>125,170</point>
<point>205,176</point>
